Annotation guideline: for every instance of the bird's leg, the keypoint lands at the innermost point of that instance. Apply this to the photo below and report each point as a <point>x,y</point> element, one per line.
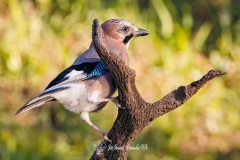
<point>113,99</point>
<point>85,117</point>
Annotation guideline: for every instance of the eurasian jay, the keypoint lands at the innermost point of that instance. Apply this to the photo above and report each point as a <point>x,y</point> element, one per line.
<point>87,86</point>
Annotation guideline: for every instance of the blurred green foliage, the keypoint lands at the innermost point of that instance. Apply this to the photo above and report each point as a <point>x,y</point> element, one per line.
<point>39,38</point>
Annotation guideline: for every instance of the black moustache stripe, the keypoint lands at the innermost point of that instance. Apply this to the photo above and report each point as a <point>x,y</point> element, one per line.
<point>127,38</point>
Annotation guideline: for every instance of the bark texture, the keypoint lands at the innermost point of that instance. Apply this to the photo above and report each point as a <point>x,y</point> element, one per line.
<point>137,113</point>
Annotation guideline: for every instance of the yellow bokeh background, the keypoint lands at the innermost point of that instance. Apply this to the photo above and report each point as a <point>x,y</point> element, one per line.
<point>40,38</point>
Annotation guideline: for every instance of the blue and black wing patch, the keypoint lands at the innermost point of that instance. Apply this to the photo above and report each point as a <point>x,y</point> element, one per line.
<point>87,69</point>
<point>100,69</point>
<point>71,71</point>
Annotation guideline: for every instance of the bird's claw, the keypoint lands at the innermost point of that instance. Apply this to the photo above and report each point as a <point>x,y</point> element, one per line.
<point>117,103</point>
<point>105,136</point>
<point>119,106</point>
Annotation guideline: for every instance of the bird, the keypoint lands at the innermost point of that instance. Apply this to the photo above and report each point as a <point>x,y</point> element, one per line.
<point>87,85</point>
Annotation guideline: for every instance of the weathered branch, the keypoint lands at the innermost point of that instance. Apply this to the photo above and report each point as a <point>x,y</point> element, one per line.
<point>138,113</point>
<point>179,96</point>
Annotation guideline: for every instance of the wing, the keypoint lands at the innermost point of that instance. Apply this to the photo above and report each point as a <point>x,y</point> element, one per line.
<point>99,69</point>
<point>80,70</point>
<point>73,73</point>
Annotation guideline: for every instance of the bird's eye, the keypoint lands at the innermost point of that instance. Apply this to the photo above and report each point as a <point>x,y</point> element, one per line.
<point>125,29</point>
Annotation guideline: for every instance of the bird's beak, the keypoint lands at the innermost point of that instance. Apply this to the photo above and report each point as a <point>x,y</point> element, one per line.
<point>140,32</point>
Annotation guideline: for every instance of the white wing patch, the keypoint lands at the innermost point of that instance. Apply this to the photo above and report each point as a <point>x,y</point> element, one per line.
<point>73,73</point>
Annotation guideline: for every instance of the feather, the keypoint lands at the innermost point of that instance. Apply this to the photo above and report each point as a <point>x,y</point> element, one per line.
<point>40,99</point>
<point>34,103</point>
<point>99,70</point>
<point>72,71</point>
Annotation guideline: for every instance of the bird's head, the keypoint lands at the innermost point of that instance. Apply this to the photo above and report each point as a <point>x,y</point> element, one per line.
<point>120,32</point>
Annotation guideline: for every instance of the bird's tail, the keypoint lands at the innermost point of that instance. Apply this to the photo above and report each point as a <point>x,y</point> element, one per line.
<point>35,102</point>
<point>40,99</point>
